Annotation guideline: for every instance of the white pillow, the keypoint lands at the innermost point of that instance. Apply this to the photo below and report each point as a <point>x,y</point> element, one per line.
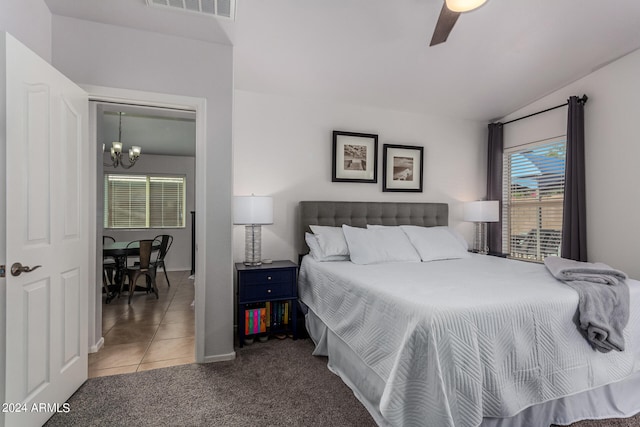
<point>316,252</point>
<point>434,243</point>
<point>455,233</point>
<point>379,245</point>
<point>331,240</point>
<point>459,237</point>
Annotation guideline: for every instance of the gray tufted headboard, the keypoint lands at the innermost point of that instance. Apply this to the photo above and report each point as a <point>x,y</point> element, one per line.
<point>359,214</point>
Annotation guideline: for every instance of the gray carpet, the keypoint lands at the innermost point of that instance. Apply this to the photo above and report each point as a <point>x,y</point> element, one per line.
<point>269,384</point>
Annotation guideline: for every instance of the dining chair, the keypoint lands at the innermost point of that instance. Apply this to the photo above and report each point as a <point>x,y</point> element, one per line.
<point>143,267</point>
<point>166,240</point>
<point>108,266</point>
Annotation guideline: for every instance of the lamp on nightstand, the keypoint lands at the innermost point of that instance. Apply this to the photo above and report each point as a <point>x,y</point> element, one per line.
<point>252,212</point>
<point>480,213</point>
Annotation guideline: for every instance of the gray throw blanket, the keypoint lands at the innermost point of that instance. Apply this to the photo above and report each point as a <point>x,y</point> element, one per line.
<point>603,306</point>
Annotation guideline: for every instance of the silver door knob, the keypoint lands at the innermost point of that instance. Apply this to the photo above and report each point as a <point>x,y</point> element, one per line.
<point>17,269</point>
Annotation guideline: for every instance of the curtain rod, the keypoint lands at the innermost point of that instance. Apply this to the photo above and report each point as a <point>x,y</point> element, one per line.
<point>583,100</point>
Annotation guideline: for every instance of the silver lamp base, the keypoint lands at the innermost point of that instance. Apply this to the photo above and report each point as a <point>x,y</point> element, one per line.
<point>252,245</point>
<point>480,241</point>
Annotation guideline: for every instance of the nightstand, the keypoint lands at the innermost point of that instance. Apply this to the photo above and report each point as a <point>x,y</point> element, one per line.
<point>267,299</point>
<point>498,254</point>
<point>490,253</point>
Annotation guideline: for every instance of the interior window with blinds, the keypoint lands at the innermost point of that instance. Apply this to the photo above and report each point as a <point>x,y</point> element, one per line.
<point>533,194</point>
<point>144,201</point>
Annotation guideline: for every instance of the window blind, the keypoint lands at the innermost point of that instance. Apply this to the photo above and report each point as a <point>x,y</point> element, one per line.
<point>533,194</point>
<point>125,201</point>
<point>142,201</point>
<point>166,202</point>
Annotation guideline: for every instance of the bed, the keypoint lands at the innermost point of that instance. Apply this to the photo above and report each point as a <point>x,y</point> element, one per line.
<point>479,340</point>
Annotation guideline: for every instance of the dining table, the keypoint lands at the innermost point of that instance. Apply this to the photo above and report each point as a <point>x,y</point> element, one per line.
<point>120,251</point>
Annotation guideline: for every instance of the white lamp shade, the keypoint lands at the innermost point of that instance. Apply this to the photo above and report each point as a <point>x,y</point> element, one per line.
<point>463,5</point>
<point>252,210</point>
<point>482,211</point>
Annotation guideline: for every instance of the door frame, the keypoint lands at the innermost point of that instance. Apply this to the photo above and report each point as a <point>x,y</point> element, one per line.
<point>149,99</point>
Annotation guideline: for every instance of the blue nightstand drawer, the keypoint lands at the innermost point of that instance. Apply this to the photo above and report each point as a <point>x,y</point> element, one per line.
<point>268,277</point>
<point>266,291</point>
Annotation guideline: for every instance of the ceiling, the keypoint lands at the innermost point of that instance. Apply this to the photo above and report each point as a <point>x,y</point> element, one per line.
<point>498,58</point>
<point>158,131</point>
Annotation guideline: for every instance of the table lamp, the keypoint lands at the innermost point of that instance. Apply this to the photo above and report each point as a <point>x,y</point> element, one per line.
<point>481,212</point>
<point>252,212</point>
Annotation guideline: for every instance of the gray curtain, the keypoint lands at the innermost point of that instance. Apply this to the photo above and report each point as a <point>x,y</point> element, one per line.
<point>574,221</point>
<point>494,183</point>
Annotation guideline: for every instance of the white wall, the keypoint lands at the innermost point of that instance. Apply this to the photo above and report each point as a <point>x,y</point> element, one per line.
<point>30,22</point>
<point>537,128</point>
<point>179,256</point>
<point>612,152</point>
<point>105,55</point>
<point>282,147</point>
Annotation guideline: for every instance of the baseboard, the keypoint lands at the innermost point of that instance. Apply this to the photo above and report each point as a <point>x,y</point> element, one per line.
<point>179,269</point>
<point>220,357</point>
<point>97,346</point>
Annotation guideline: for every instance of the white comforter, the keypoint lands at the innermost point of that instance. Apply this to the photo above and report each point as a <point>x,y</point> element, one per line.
<point>455,341</point>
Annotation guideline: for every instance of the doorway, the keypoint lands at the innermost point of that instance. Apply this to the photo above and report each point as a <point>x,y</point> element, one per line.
<point>146,198</point>
<point>156,321</point>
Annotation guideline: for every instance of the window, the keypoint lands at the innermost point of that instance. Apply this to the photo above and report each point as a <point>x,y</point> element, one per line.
<point>533,195</point>
<point>144,201</point>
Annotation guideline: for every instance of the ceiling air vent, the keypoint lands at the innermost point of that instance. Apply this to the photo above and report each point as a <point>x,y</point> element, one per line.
<point>219,8</point>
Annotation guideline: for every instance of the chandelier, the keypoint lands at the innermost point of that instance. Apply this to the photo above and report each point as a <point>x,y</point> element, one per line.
<point>116,150</point>
<point>463,5</point>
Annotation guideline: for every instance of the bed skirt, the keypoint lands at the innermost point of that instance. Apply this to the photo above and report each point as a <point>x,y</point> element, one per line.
<point>617,400</point>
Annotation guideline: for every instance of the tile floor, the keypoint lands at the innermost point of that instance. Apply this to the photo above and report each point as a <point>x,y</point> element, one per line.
<point>150,333</point>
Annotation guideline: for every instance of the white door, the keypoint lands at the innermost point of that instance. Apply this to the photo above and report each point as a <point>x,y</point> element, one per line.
<point>47,225</point>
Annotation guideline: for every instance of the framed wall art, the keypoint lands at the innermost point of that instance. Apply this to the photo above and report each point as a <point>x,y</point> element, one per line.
<point>355,157</point>
<point>402,168</point>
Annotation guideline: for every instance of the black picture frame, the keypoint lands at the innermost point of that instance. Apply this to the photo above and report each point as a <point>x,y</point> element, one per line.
<point>402,168</point>
<point>355,157</point>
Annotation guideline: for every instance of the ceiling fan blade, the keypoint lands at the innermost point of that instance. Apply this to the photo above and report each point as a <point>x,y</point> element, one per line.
<point>446,21</point>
